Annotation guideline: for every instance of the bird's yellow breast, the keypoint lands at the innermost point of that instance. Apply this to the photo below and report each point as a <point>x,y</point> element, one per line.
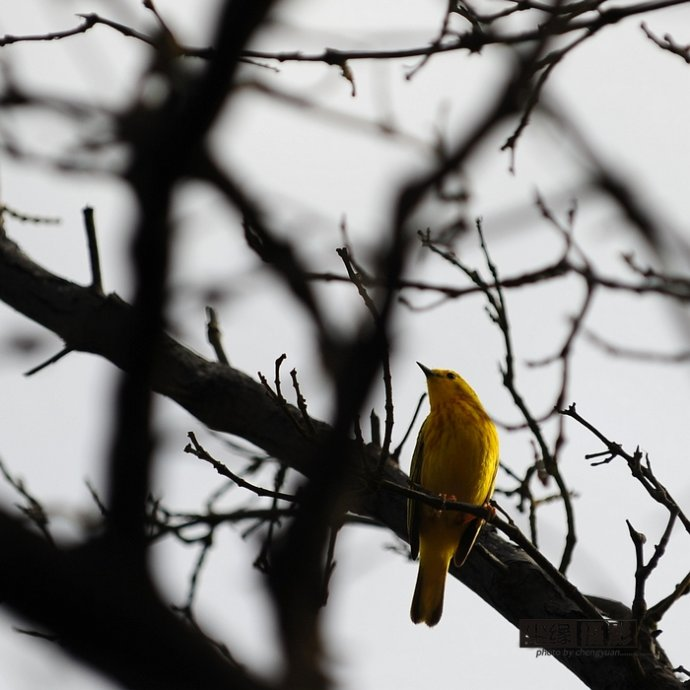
<point>460,451</point>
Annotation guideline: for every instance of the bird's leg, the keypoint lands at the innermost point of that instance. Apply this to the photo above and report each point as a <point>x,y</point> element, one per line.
<point>490,509</point>
<point>447,498</point>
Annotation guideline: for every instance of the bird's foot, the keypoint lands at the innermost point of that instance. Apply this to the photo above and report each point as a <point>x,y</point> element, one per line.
<point>490,509</point>
<point>447,498</point>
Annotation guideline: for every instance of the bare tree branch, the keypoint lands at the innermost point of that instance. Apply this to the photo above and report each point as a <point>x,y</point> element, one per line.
<point>225,399</point>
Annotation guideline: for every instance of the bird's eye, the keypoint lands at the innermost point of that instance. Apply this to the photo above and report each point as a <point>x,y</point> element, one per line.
<point>450,375</point>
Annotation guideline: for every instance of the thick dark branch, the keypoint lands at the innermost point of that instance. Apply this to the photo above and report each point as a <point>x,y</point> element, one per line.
<point>219,396</point>
<point>98,612</point>
<point>228,400</point>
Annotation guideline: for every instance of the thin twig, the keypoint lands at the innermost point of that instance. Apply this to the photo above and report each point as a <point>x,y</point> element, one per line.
<point>215,336</point>
<point>97,499</point>
<point>356,279</point>
<point>643,572</point>
<point>638,355</point>
<point>179,523</point>
<point>375,428</point>
<point>398,449</point>
<point>26,218</point>
<point>36,633</point>
<point>524,492</point>
<point>656,612</point>
<point>55,358</point>
<point>306,427</point>
<point>330,562</point>
<point>278,363</point>
<point>33,511</point>
<point>196,449</point>
<point>639,605</point>
<point>206,543</point>
<point>642,472</point>
<point>149,5</point>
<point>436,501</point>
<point>667,43</point>
<point>263,559</point>
<point>301,401</point>
<point>92,242</point>
<point>222,649</point>
<point>549,459</point>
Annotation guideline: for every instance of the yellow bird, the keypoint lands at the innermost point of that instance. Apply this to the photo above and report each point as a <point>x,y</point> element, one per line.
<point>456,456</point>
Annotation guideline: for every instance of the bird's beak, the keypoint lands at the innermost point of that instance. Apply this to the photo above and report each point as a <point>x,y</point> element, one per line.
<point>426,370</point>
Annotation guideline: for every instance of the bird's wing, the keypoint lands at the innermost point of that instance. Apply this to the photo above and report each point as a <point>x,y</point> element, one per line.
<point>467,538</point>
<point>493,480</point>
<point>471,532</point>
<point>412,506</point>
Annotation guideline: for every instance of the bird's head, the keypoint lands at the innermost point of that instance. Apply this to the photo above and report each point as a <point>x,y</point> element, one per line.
<point>445,385</point>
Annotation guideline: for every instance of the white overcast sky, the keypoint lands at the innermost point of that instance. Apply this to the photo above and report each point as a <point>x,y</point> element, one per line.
<point>632,101</point>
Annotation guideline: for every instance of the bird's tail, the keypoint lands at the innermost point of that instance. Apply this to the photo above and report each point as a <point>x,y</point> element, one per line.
<point>427,601</point>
